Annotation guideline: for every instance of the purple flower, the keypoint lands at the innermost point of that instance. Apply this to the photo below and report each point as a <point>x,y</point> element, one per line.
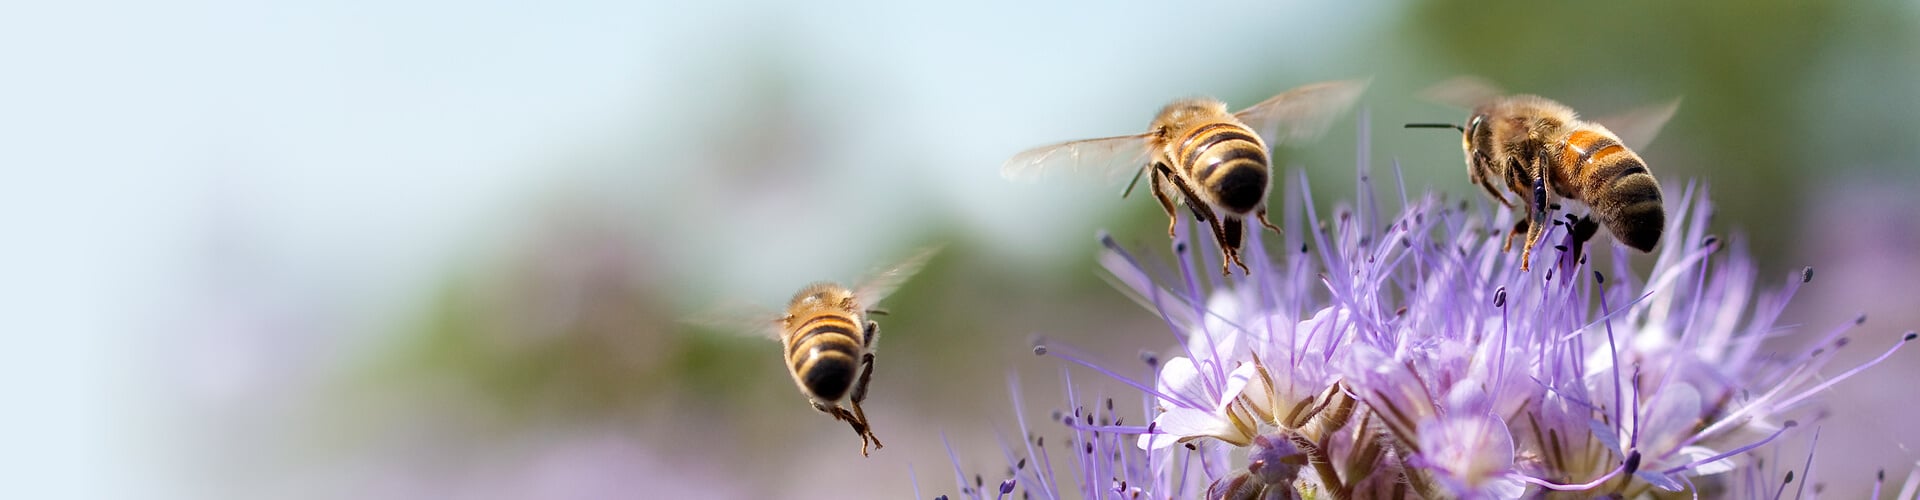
<point>1408,354</point>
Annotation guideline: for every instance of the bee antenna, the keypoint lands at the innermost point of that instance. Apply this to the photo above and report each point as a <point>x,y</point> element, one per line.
<point>1438,125</point>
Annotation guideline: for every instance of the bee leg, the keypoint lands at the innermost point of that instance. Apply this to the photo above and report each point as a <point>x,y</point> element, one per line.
<point>1537,215</point>
<point>1583,230</point>
<point>1519,227</point>
<point>1229,231</point>
<point>1479,170</point>
<point>1229,242</point>
<point>860,394</point>
<point>859,424</point>
<point>836,411</point>
<point>1158,186</point>
<point>1262,213</point>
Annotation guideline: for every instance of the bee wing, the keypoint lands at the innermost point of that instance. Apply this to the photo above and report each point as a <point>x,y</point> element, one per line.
<point>1638,126</point>
<point>739,317</point>
<point>1466,92</point>
<point>1302,113</point>
<point>882,282</point>
<point>1107,159</point>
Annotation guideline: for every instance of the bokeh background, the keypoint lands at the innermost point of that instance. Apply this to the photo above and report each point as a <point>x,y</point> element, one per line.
<point>442,249</point>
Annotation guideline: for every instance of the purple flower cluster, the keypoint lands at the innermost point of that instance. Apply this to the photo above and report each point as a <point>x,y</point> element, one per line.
<point>1407,356</point>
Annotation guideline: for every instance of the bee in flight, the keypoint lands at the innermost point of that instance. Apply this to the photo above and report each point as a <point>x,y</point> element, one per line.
<point>1541,150</point>
<point>1197,153</point>
<point>829,334</point>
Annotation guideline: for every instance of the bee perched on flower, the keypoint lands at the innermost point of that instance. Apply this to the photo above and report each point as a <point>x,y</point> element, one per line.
<point>1405,355</point>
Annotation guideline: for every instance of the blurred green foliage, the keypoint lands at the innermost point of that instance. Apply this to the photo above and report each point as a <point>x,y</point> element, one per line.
<point>1762,114</point>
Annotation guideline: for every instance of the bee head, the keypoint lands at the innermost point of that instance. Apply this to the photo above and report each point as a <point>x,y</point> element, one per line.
<point>819,295</point>
<point>1176,115</point>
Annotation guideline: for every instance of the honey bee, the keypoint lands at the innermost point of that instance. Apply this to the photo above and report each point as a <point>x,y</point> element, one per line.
<point>1541,151</point>
<point>1197,153</point>
<point>828,337</point>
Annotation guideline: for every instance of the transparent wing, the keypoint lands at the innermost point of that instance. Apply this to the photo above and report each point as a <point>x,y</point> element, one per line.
<point>1302,113</point>
<point>882,282</point>
<point>740,318</point>
<point>1108,159</point>
<point>1464,92</point>
<point>1638,126</point>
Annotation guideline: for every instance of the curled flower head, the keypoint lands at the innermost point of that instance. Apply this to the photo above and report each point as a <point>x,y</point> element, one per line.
<point>1407,354</point>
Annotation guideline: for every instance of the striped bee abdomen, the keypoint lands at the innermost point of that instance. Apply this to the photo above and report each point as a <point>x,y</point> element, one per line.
<point>1615,182</point>
<point>824,355</point>
<point>1228,162</point>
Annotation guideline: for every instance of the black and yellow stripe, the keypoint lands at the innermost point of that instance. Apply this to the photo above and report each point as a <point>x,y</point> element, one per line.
<point>1228,162</point>
<point>1615,182</point>
<point>824,354</point>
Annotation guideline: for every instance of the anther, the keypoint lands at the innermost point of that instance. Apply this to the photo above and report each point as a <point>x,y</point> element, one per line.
<point>1006,486</point>
<point>1806,274</point>
<point>1040,350</point>
<point>1500,297</point>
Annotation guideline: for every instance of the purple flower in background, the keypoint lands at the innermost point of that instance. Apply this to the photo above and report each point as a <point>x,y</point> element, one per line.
<point>1406,355</point>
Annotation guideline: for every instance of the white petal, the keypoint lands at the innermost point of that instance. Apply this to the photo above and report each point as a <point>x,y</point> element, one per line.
<point>1671,418</point>
<point>1658,480</point>
<point>1156,441</point>
<point>1180,378</point>
<point>1693,454</point>
<point>1221,330</point>
<point>1180,424</point>
<point>1236,383</point>
<point>1606,434</point>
